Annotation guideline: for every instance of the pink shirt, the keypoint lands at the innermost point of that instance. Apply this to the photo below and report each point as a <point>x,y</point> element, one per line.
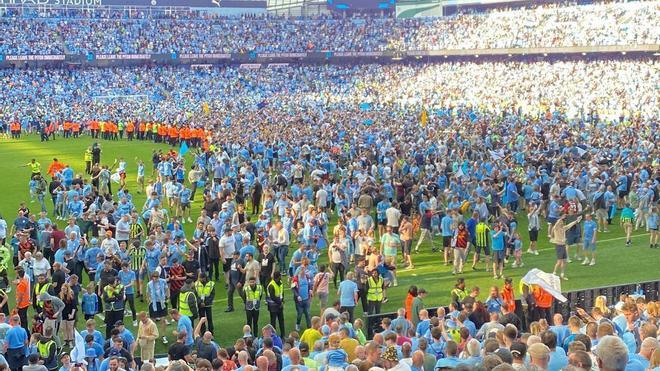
<point>321,281</point>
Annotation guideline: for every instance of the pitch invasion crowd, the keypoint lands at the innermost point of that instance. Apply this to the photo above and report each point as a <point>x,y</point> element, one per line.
<point>58,32</point>
<point>463,178</point>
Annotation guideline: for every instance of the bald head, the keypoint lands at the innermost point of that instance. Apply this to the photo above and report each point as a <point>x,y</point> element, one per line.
<point>418,359</point>
<point>294,356</point>
<point>262,363</point>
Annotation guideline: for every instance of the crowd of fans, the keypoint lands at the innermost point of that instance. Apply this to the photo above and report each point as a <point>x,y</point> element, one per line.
<point>376,94</point>
<point>628,23</point>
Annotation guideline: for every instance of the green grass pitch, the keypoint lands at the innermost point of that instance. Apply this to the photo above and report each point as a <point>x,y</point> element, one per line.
<point>616,264</point>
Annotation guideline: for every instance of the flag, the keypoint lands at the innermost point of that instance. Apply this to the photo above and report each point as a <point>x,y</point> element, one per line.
<point>424,118</point>
<point>205,108</point>
<point>78,351</point>
<point>547,281</point>
<point>228,121</point>
<point>184,149</point>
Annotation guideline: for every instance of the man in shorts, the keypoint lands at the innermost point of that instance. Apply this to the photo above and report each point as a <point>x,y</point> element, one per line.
<point>498,236</point>
<point>590,231</point>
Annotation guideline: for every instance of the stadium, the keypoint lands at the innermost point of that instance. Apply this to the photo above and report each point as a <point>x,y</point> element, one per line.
<point>329,185</point>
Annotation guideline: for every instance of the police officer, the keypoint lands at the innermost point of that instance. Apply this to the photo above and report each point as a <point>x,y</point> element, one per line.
<point>253,295</point>
<point>188,301</point>
<point>114,301</point>
<point>275,301</point>
<point>205,291</point>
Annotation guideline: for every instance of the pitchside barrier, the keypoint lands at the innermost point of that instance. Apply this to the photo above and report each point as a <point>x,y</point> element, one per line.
<point>576,299</point>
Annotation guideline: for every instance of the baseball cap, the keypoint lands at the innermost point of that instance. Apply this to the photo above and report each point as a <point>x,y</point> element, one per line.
<point>518,350</point>
<point>505,355</point>
<point>119,323</point>
<point>538,350</point>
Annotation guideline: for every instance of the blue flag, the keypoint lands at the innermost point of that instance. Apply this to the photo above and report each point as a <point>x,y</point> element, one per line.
<point>184,149</point>
<point>228,121</point>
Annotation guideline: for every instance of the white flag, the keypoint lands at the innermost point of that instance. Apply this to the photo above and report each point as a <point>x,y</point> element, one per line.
<point>547,281</point>
<point>78,351</point>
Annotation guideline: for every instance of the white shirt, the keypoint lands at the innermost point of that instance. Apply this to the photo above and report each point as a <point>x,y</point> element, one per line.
<point>393,214</point>
<point>40,266</point>
<point>321,198</point>
<point>227,245</point>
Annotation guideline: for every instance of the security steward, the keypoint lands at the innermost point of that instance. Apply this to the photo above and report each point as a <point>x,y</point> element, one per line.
<point>47,349</point>
<point>188,301</point>
<point>205,291</point>
<point>114,299</point>
<point>275,301</point>
<point>254,292</point>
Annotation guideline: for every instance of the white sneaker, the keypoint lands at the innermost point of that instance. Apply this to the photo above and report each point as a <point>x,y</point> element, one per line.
<point>135,323</point>
<point>593,262</point>
<point>536,252</point>
<point>165,340</point>
<point>564,278</point>
<point>167,322</point>
<point>585,262</point>
<point>521,265</point>
<point>190,220</point>
<point>569,260</point>
<point>514,265</point>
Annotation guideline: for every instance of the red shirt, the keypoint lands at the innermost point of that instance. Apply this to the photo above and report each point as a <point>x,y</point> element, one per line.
<point>177,272</point>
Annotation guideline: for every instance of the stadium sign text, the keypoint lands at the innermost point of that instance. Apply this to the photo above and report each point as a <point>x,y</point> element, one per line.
<point>48,57</point>
<point>53,2</point>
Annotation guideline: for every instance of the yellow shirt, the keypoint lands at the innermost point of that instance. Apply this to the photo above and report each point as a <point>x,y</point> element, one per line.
<point>311,336</point>
<point>349,345</point>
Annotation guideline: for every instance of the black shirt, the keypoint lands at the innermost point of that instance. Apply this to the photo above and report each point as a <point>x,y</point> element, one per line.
<point>59,278</point>
<point>178,351</point>
<point>511,318</point>
<point>191,266</point>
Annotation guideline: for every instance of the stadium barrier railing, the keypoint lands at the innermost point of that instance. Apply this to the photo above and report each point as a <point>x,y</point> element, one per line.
<point>576,299</point>
<point>315,57</point>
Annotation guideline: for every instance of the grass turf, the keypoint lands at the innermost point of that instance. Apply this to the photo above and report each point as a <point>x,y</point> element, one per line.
<point>616,263</point>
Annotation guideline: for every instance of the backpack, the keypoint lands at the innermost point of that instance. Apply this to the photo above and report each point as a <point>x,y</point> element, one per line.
<point>599,203</point>
<point>437,353</point>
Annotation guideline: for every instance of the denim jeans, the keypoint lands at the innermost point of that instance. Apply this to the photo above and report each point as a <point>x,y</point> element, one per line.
<point>282,252</point>
<point>302,307</point>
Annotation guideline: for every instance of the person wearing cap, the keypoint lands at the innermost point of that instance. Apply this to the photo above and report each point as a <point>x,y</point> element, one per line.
<point>539,356</point>
<point>93,362</point>
<point>47,349</point>
<point>518,351</point>
<point>205,290</point>
<point>253,293</point>
<point>113,299</point>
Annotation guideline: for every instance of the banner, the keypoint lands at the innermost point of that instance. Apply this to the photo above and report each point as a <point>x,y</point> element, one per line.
<point>107,57</point>
<point>205,56</point>
<point>38,57</point>
<point>547,281</point>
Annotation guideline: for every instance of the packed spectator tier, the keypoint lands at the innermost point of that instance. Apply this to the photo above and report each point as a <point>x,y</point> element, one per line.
<point>342,95</point>
<point>632,23</point>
